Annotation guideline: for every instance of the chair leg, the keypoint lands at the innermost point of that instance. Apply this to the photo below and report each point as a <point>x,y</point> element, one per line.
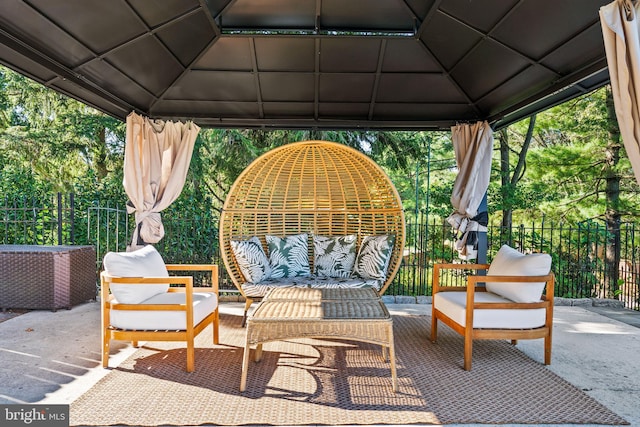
<point>247,304</point>
<point>547,350</point>
<point>468,349</point>
<point>191,356</point>
<point>216,328</point>
<point>434,329</point>
<point>105,349</point>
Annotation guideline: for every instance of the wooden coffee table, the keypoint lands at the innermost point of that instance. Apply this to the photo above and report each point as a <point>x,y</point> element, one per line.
<point>351,314</point>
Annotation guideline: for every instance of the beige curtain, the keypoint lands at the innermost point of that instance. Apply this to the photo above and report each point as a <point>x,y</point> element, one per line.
<point>619,21</point>
<point>156,160</point>
<point>473,145</point>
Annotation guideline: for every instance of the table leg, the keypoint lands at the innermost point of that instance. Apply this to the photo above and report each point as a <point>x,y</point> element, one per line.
<point>245,366</point>
<point>392,360</point>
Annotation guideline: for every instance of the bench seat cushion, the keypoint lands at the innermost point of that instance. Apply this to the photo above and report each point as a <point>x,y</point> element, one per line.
<point>260,289</point>
<point>204,303</point>
<point>453,305</point>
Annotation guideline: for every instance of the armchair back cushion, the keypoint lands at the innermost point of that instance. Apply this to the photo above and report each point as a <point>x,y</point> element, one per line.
<point>144,262</point>
<point>510,262</point>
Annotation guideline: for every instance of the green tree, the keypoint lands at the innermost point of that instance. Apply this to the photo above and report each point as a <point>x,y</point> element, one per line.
<point>59,141</point>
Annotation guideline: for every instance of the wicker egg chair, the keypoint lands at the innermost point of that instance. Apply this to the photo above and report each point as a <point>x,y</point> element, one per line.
<point>318,187</point>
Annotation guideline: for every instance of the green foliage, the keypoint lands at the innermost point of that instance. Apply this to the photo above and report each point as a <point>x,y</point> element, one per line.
<point>565,176</point>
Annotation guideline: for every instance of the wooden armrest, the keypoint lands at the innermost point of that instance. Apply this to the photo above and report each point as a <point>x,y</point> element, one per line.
<point>457,266</point>
<point>191,267</point>
<point>436,287</point>
<point>523,279</point>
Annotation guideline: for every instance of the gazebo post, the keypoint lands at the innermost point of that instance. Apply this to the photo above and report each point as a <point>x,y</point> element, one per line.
<point>483,243</point>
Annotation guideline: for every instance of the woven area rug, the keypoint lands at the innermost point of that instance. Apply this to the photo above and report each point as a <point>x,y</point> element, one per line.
<point>336,382</point>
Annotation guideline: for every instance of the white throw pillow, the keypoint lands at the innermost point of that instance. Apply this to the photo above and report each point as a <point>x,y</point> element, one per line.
<point>144,262</point>
<point>251,259</point>
<point>510,262</point>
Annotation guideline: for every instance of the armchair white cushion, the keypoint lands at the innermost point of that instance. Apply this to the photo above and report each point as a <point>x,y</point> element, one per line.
<point>510,262</point>
<point>454,305</point>
<point>144,262</point>
<point>204,303</point>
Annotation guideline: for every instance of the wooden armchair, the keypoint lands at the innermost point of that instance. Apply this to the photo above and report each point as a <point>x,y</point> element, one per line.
<point>506,303</point>
<point>139,303</point>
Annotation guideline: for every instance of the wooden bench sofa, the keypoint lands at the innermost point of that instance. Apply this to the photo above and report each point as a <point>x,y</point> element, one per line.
<point>311,200</point>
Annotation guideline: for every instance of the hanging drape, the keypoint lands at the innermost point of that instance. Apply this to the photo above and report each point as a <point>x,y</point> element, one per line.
<point>473,146</point>
<point>156,160</point>
<point>619,21</point>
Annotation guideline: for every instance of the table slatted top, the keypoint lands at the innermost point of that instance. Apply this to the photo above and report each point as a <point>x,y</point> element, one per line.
<point>322,294</point>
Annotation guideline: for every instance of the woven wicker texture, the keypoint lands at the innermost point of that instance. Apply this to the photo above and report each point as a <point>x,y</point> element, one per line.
<point>313,187</point>
<point>306,294</point>
<point>46,277</point>
<point>336,382</point>
<point>320,311</point>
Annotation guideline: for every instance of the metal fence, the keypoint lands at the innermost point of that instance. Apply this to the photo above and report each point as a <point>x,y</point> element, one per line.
<point>577,250</point>
<point>38,221</point>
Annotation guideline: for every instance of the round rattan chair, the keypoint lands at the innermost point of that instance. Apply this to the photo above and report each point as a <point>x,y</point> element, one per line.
<point>315,187</point>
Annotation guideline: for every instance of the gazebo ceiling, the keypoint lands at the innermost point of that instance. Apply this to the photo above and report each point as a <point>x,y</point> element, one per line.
<point>327,64</point>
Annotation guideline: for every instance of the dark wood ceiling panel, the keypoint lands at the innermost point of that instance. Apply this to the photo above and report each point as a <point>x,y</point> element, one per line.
<point>346,87</point>
<point>148,62</point>
<point>113,81</point>
<point>274,14</point>
<point>421,7</point>
<point>154,15</point>
<point>586,48</point>
<point>548,24</point>
<point>292,87</point>
<point>366,15</point>
<point>344,111</point>
<point>440,113</point>
<point>33,29</point>
<point>227,54</point>
<point>215,86</point>
<point>426,88</point>
<point>342,54</point>
<point>25,65</point>
<point>212,111</point>
<point>297,110</point>
<point>448,40</point>
<point>510,92</point>
<point>480,14</point>
<point>486,67</point>
<point>101,27</point>
<point>187,38</point>
<point>285,54</point>
<point>409,55</point>
<point>90,96</point>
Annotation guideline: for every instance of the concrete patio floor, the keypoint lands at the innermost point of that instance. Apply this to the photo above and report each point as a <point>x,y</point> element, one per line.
<point>54,357</point>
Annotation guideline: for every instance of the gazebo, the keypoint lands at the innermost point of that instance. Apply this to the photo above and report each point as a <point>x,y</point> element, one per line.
<point>313,64</point>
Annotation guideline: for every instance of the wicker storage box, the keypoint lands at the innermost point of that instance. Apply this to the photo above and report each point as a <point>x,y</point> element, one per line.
<point>46,277</point>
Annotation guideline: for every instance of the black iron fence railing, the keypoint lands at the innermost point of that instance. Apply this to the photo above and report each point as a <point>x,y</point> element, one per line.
<point>38,221</point>
<point>579,251</point>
